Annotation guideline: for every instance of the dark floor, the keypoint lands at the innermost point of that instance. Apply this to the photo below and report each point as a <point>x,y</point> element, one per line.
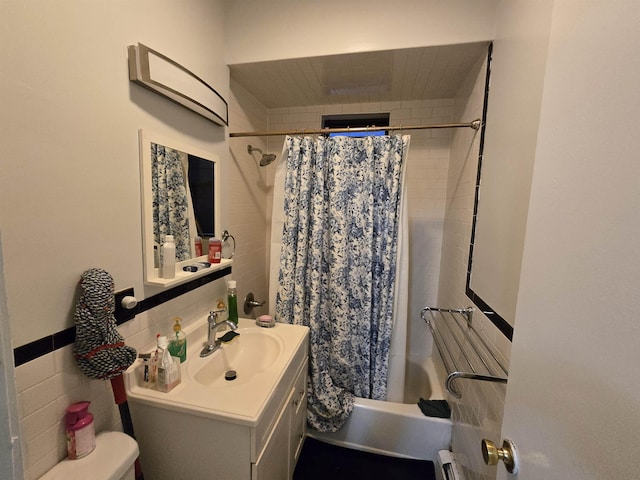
<point>319,460</point>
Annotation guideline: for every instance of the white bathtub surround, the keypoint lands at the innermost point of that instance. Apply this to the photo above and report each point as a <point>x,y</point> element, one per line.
<point>397,429</point>
<point>398,350</point>
<point>422,380</point>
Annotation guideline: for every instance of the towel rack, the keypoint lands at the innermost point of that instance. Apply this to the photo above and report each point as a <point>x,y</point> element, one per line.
<point>464,352</point>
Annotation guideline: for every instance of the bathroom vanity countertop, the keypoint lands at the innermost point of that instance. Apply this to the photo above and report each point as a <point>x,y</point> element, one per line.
<point>203,391</point>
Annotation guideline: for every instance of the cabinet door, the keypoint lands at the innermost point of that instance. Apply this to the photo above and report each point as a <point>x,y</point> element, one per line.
<point>273,463</point>
<point>298,417</point>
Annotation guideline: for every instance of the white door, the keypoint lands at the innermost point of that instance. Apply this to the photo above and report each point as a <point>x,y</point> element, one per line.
<point>573,397</point>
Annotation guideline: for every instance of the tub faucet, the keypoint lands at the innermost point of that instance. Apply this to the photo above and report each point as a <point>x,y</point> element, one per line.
<point>212,344</point>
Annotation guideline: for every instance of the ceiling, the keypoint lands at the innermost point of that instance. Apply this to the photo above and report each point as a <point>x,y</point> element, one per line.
<point>390,75</point>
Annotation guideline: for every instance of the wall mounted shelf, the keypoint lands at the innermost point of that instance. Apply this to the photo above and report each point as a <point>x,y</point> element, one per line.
<point>184,277</point>
<point>464,352</point>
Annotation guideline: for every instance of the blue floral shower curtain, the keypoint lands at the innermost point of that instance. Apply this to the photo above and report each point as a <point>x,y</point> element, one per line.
<point>338,264</point>
<point>170,204</point>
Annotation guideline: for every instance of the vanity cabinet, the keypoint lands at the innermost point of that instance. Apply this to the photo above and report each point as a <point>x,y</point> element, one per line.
<point>182,435</point>
<point>280,454</point>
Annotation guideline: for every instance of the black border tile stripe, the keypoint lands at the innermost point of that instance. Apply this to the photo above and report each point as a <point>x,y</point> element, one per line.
<point>48,344</point>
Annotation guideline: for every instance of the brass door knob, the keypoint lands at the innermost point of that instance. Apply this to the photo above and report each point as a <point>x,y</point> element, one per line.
<point>508,454</point>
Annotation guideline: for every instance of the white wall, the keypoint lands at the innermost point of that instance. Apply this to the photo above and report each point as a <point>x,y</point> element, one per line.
<point>260,30</point>
<point>577,317</point>
<point>69,183</point>
<point>517,73</point>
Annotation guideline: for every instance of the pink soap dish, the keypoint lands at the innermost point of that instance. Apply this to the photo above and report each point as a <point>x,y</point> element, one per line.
<point>266,321</point>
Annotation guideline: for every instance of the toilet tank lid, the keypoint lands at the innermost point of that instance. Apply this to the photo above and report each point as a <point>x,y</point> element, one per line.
<point>114,454</point>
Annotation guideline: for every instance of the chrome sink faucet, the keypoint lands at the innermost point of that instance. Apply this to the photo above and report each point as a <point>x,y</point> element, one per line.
<point>212,344</point>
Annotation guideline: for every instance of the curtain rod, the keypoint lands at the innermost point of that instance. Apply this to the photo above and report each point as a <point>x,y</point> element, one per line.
<point>474,124</point>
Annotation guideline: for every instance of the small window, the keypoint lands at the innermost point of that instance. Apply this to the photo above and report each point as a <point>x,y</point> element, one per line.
<point>357,121</point>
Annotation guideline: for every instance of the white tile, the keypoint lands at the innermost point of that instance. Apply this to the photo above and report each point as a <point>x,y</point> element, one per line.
<point>64,360</point>
<point>44,444</point>
<point>34,372</point>
<point>36,397</point>
<point>34,424</point>
<point>43,464</point>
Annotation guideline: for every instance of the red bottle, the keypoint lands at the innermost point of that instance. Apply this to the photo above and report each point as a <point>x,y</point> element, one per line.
<point>215,250</point>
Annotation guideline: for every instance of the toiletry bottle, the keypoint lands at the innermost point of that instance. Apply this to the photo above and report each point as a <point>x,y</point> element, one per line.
<point>178,342</point>
<point>168,257</point>
<point>198,246</point>
<point>148,378</point>
<point>81,435</point>
<point>219,306</point>
<point>232,302</point>
<point>215,250</point>
<point>168,368</point>
<point>154,362</point>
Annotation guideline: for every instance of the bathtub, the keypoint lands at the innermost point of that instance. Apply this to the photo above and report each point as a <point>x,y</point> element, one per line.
<point>397,429</point>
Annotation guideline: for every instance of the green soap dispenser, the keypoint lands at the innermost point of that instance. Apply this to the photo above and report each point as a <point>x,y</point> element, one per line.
<point>232,301</point>
<point>178,342</point>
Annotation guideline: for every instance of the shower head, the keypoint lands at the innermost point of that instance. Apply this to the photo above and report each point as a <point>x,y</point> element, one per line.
<point>266,159</point>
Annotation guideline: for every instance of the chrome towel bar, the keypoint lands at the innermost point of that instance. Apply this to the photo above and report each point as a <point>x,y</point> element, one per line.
<point>464,352</point>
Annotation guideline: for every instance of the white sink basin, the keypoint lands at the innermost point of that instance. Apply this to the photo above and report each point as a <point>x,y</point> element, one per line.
<point>251,353</point>
<point>260,356</point>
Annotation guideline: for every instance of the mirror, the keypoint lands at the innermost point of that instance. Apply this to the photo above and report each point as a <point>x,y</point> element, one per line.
<point>497,236</point>
<point>180,197</point>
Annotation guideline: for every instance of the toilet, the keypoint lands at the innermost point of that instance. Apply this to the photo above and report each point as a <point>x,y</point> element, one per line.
<point>112,459</point>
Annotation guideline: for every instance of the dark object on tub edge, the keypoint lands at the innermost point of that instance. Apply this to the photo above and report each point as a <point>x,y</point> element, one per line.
<point>435,408</point>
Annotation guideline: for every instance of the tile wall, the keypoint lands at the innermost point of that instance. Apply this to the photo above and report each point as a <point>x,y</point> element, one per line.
<point>246,208</point>
<point>47,385</point>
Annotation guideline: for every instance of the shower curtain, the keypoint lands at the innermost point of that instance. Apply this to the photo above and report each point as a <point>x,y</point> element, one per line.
<point>341,212</point>
<point>170,203</point>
